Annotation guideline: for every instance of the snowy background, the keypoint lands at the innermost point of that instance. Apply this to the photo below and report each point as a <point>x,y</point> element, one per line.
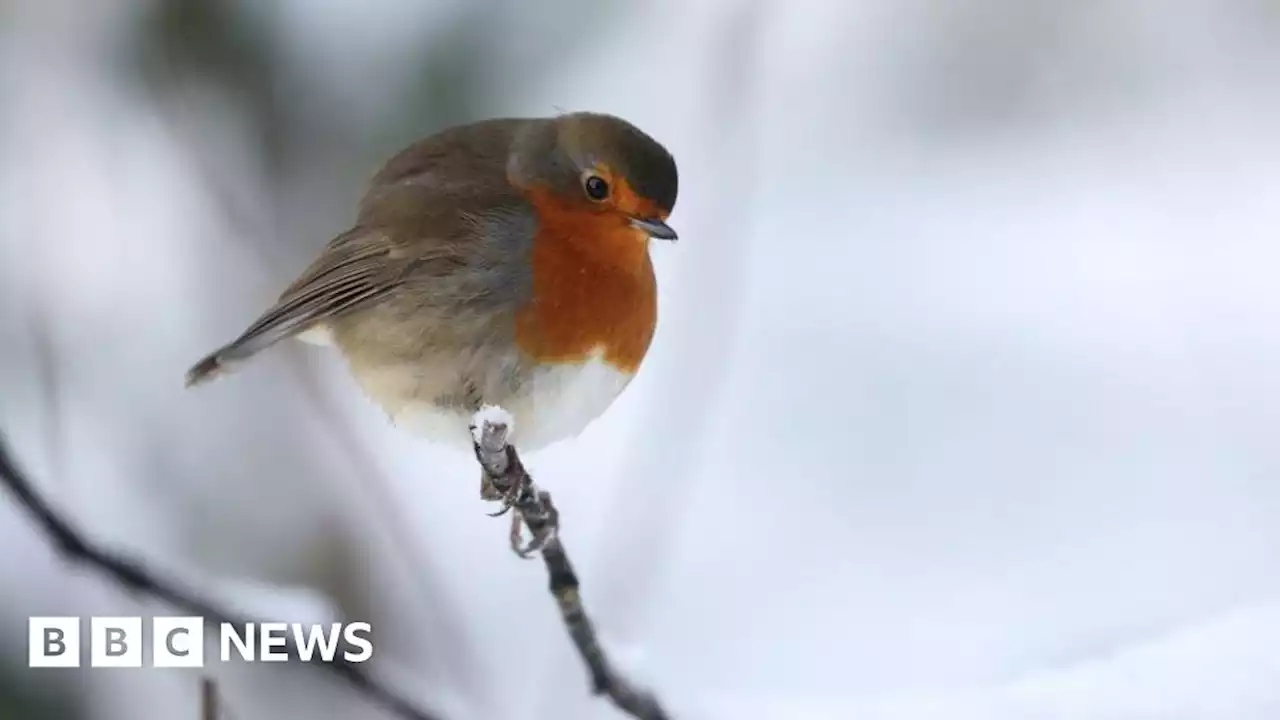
<point>963,404</point>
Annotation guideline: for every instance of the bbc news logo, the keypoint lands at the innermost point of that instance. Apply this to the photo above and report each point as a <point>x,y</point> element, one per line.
<point>178,642</point>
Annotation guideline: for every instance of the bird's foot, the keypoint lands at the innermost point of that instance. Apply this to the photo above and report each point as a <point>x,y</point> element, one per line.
<point>490,492</point>
<point>543,522</point>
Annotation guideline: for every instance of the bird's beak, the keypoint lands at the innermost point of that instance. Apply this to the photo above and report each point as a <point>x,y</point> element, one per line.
<point>655,227</point>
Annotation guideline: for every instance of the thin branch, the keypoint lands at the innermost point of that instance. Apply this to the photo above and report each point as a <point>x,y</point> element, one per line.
<point>505,476</point>
<point>133,577</point>
<point>209,709</point>
<point>49,380</point>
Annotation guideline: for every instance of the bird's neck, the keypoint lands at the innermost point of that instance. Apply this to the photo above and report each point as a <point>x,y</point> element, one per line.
<point>594,289</point>
<point>594,239</point>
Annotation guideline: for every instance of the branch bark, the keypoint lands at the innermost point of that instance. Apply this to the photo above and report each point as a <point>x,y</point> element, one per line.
<point>505,474</point>
<point>72,544</point>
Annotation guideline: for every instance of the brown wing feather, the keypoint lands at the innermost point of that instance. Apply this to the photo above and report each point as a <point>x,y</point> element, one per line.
<point>356,271</point>
<point>439,212</point>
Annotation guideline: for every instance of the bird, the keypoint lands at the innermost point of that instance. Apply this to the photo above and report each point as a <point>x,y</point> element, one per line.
<point>501,263</point>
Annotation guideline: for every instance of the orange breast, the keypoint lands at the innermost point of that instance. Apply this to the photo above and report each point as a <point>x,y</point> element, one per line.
<point>593,288</point>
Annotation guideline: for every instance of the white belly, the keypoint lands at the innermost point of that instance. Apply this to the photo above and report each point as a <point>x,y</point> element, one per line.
<point>555,404</point>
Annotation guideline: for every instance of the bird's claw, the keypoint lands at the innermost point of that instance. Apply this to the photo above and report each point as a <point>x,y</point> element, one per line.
<point>490,492</point>
<point>547,530</point>
<point>541,515</point>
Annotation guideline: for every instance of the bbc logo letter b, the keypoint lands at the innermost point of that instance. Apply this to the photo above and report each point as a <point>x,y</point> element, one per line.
<point>115,642</point>
<point>53,642</point>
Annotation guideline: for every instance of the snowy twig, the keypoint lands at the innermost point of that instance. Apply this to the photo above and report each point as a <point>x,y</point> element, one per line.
<point>505,477</point>
<point>133,577</point>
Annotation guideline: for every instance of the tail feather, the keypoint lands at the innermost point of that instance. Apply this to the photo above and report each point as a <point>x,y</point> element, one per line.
<point>224,360</point>
<point>214,365</point>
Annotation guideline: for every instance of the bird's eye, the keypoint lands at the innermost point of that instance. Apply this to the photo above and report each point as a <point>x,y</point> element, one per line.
<point>597,189</point>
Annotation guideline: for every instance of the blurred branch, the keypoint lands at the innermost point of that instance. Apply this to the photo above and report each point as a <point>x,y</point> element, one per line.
<point>209,700</point>
<point>505,476</point>
<point>49,372</point>
<point>133,577</point>
<point>179,41</point>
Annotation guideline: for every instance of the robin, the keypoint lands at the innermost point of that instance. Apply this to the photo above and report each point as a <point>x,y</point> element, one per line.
<point>504,262</point>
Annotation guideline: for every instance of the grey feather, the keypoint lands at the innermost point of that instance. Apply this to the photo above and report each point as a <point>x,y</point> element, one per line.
<point>465,257</point>
<point>351,275</point>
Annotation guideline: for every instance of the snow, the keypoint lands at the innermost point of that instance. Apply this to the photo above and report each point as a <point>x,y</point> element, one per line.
<point>491,415</point>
